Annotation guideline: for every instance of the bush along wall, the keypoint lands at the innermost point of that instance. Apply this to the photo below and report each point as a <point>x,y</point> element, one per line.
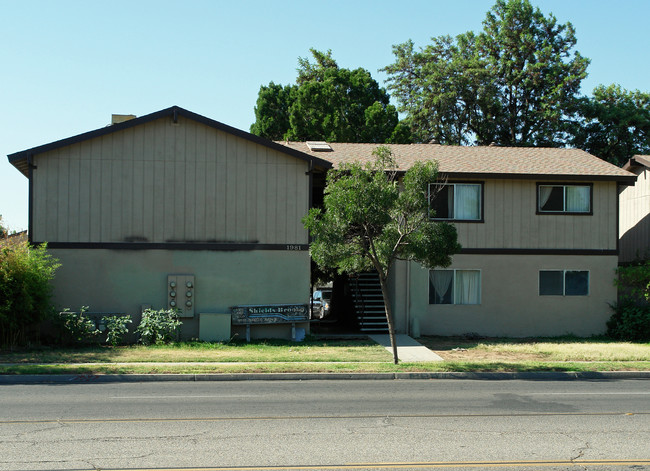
<point>631,319</point>
<point>25,291</point>
<point>630,322</point>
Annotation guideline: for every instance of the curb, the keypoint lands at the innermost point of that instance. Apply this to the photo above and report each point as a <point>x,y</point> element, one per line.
<point>138,378</point>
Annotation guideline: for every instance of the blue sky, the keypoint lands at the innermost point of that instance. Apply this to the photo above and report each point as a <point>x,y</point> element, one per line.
<point>68,65</point>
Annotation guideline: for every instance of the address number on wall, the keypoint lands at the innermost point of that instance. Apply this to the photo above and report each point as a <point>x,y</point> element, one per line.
<point>296,247</point>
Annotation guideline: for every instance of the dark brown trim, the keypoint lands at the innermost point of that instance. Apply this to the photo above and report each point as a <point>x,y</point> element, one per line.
<point>213,246</point>
<point>473,251</point>
<point>617,221</point>
<point>565,213</point>
<point>30,197</point>
<point>542,177</point>
<point>310,174</point>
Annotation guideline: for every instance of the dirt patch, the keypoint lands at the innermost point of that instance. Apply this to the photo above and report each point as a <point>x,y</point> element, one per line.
<point>480,355</point>
<point>464,349</point>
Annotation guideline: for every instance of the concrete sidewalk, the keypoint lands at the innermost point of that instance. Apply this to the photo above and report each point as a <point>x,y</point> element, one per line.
<point>408,349</point>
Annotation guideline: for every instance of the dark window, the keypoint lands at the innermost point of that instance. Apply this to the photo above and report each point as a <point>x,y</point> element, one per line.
<point>564,198</point>
<point>442,202</point>
<point>551,283</point>
<point>576,283</point>
<point>456,201</point>
<point>563,283</point>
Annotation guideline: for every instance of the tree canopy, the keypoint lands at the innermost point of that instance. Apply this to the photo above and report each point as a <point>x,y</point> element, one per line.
<point>327,103</point>
<point>369,221</point>
<point>614,124</point>
<point>514,83</point>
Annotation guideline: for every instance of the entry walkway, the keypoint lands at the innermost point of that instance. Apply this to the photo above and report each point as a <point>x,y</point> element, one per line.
<point>408,349</point>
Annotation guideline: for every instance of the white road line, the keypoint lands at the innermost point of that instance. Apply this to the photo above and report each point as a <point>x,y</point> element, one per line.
<point>640,393</point>
<point>153,396</point>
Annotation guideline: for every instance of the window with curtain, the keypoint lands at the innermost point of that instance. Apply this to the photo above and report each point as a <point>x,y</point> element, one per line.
<point>556,199</point>
<point>454,287</point>
<point>563,283</point>
<point>455,201</point>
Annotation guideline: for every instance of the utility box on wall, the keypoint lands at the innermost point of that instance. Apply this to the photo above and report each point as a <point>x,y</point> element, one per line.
<point>180,294</point>
<point>214,327</point>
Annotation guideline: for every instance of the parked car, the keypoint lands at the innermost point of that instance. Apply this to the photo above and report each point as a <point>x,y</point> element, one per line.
<point>321,300</point>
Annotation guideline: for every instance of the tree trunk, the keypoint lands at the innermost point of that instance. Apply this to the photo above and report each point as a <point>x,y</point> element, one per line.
<point>389,318</point>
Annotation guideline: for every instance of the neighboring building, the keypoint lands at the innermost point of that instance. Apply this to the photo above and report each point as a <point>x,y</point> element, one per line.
<point>634,222</point>
<point>172,197</point>
<point>539,231</point>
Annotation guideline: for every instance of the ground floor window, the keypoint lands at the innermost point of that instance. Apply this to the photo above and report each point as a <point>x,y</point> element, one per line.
<point>454,287</point>
<point>563,283</point>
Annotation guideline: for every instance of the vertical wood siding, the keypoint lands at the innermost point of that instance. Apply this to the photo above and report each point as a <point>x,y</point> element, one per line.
<point>634,225</point>
<point>511,221</point>
<point>163,182</point>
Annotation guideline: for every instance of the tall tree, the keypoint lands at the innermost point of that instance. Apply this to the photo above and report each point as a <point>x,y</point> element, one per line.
<point>327,103</point>
<point>614,124</point>
<point>369,221</point>
<point>272,111</point>
<point>511,84</point>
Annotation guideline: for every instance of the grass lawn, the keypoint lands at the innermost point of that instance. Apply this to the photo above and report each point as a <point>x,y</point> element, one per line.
<point>277,351</point>
<point>359,356</point>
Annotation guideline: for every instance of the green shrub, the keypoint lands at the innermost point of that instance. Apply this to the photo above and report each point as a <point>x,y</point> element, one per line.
<point>116,328</point>
<point>25,291</point>
<point>76,327</point>
<point>158,326</point>
<point>635,279</point>
<point>629,322</point>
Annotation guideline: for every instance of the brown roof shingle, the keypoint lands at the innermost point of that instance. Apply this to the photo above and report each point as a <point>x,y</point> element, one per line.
<point>482,161</point>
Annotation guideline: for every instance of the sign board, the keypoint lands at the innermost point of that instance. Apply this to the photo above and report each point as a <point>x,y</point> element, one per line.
<point>270,313</point>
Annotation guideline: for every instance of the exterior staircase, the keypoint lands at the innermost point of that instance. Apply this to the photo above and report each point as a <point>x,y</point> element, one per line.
<point>368,303</point>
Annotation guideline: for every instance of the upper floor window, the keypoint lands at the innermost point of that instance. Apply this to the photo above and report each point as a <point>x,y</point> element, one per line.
<point>456,201</point>
<point>563,199</point>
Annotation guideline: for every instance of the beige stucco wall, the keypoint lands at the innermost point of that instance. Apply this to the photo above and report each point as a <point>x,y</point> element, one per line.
<point>123,280</point>
<point>511,221</point>
<point>634,222</point>
<point>510,301</point>
<point>162,181</point>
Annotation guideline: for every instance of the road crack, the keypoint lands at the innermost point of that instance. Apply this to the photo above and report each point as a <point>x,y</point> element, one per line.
<point>580,451</point>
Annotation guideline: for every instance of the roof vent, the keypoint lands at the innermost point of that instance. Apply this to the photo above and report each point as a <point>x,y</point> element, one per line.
<point>319,146</point>
<point>120,118</point>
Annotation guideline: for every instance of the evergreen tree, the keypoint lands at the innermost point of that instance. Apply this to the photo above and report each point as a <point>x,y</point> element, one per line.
<point>327,103</point>
<point>514,83</point>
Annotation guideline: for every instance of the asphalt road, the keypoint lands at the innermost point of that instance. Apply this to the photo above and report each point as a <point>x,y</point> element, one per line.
<point>419,424</point>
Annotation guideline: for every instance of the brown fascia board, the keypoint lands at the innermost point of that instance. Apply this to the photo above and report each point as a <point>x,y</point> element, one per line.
<point>638,161</point>
<point>20,160</point>
<point>624,179</point>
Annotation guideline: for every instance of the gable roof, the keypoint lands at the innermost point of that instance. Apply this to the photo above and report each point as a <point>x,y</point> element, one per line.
<point>483,161</point>
<point>20,160</point>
